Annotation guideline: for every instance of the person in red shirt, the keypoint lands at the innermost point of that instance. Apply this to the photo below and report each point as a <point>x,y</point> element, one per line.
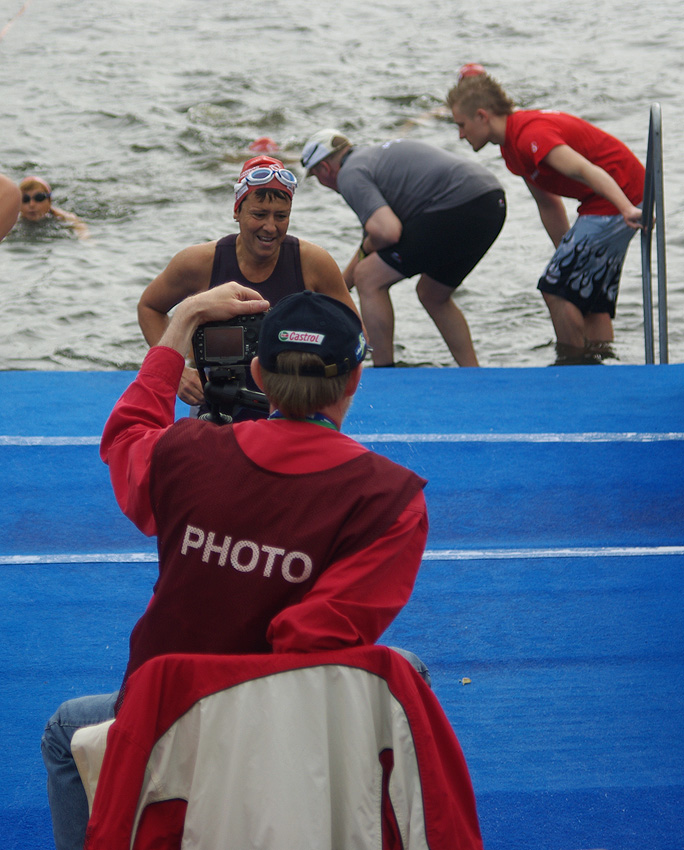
<point>562,156</point>
<point>280,535</point>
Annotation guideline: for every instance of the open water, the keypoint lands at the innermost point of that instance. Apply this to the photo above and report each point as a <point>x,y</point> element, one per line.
<point>139,114</point>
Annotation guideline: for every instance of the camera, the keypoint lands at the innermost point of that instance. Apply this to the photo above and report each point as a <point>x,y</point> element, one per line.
<point>223,352</point>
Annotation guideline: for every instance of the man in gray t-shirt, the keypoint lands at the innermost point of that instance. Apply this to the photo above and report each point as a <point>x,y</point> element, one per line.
<point>424,211</point>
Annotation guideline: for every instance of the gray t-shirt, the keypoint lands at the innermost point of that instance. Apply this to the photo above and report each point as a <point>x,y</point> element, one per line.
<point>411,177</point>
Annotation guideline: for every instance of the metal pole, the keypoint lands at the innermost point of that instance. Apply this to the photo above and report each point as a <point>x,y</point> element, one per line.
<point>646,233</point>
<point>660,230</point>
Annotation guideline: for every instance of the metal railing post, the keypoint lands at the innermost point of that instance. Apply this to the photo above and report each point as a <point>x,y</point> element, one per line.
<point>653,198</point>
<point>660,231</point>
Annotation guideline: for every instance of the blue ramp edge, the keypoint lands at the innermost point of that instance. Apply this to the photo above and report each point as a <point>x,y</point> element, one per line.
<point>557,399</point>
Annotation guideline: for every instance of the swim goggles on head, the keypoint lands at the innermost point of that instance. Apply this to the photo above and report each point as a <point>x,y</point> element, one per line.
<point>261,175</point>
<point>39,197</point>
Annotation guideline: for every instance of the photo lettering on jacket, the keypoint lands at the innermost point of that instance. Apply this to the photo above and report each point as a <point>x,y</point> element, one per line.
<point>246,555</point>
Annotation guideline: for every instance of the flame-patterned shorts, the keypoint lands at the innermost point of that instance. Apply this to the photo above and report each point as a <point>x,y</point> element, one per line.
<point>587,265</point>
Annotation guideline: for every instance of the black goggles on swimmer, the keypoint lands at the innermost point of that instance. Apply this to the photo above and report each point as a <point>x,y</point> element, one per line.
<point>39,197</point>
<point>263,175</point>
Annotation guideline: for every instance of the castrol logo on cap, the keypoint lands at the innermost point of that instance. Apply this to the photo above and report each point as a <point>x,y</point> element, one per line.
<point>301,336</point>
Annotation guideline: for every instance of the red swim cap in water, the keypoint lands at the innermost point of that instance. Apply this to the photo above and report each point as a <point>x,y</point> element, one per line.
<point>470,69</point>
<point>264,144</point>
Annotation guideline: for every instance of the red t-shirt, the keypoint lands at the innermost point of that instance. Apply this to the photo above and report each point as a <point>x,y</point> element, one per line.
<point>532,134</point>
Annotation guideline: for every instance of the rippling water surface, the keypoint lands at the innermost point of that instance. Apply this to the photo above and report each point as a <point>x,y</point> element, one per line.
<point>139,114</point>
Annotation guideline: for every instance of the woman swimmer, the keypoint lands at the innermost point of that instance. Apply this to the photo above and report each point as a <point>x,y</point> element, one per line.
<point>36,204</point>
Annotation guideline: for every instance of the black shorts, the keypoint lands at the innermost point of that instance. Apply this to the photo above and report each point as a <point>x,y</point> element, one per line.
<point>447,245</point>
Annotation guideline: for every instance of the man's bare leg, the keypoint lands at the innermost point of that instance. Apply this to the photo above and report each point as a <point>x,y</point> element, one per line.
<point>373,278</point>
<point>568,321</point>
<point>448,318</point>
<point>575,329</point>
<point>598,327</point>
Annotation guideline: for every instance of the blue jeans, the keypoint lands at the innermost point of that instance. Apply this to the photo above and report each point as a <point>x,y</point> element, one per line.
<point>66,795</point>
<point>417,663</point>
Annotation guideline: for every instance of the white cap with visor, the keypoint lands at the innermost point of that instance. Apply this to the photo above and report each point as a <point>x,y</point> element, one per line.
<point>323,144</point>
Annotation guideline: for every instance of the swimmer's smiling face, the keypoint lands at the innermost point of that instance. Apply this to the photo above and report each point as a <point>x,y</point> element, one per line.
<point>263,225</point>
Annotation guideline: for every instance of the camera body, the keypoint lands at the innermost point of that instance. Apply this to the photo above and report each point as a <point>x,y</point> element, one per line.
<point>223,353</point>
<point>230,343</point>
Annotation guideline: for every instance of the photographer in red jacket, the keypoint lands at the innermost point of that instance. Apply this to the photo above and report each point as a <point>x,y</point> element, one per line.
<point>276,535</point>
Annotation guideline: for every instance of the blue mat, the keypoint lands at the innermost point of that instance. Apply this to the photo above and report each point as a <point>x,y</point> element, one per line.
<point>552,581</point>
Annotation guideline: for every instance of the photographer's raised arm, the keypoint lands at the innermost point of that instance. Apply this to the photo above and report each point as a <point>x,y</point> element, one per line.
<point>147,408</point>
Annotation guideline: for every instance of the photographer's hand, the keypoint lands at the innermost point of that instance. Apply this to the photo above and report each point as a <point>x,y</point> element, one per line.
<point>190,388</point>
<point>215,305</point>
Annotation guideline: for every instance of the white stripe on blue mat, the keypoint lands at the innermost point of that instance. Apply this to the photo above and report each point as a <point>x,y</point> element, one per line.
<point>7,440</point>
<point>583,437</point>
<point>428,555</point>
<point>526,554</point>
<point>66,558</point>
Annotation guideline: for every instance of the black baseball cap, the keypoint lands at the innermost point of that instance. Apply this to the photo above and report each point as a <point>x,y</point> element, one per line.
<point>315,323</point>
